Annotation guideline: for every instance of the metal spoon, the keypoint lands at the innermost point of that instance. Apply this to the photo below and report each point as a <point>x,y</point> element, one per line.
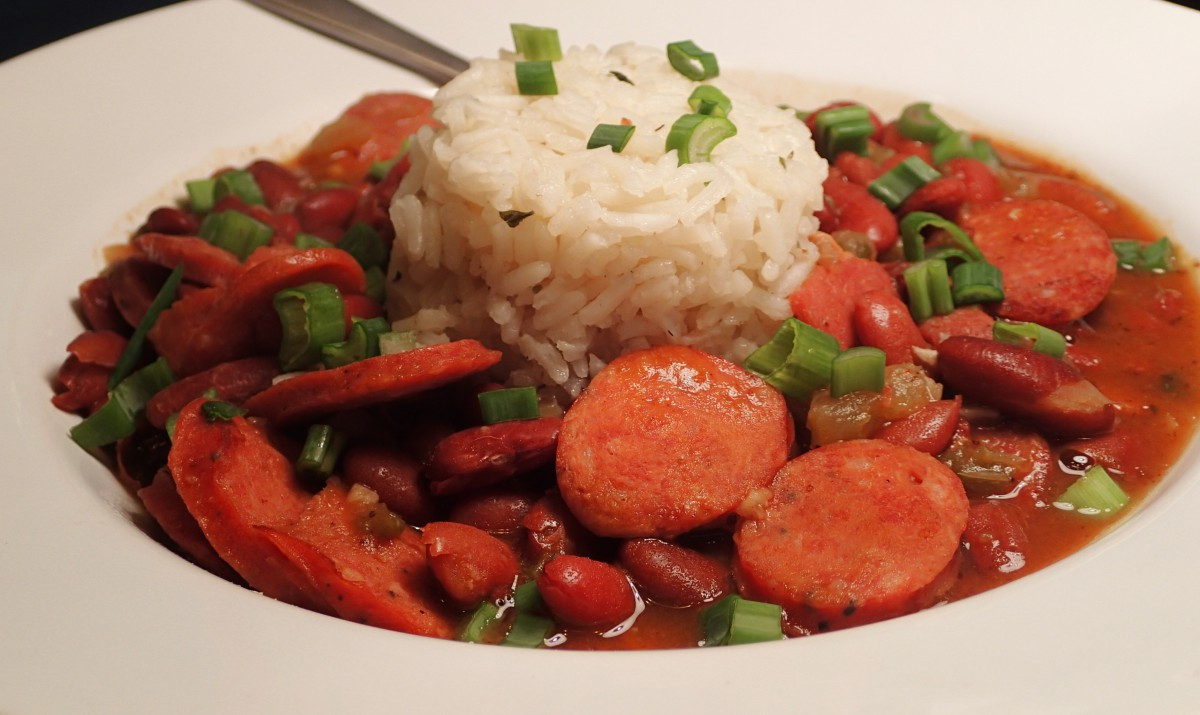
<point>360,28</point>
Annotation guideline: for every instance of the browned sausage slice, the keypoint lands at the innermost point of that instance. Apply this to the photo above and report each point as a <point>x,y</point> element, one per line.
<point>1057,263</point>
<point>854,532</point>
<point>233,382</point>
<point>372,381</point>
<point>668,439</point>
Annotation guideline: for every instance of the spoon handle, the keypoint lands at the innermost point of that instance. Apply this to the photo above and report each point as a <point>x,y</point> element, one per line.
<point>358,27</point>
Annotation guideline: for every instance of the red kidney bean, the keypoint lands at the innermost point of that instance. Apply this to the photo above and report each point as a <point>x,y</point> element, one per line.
<point>673,575</point>
<point>134,282</point>
<point>941,196</point>
<point>170,220</point>
<point>980,183</point>
<point>141,455</point>
<point>99,310</point>
<point>394,476</point>
<point>583,592</point>
<point>903,146</point>
<point>553,529</point>
<point>850,207</point>
<point>994,538</point>
<point>80,387</point>
<point>858,169</point>
<point>360,306</point>
<point>470,564</point>
<point>1021,382</point>
<point>811,120</point>
<point>280,187</point>
<point>929,429</point>
<point>482,456</point>
<point>496,511</point>
<point>327,207</point>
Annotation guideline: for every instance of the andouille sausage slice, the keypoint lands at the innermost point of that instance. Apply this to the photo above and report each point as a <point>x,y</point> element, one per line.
<point>1057,263</point>
<point>236,484</point>
<point>372,381</point>
<point>233,382</point>
<point>362,577</point>
<point>854,532</point>
<point>668,439</point>
<point>162,500</point>
<point>202,262</point>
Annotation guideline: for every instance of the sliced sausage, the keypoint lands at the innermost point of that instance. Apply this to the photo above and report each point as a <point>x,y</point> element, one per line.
<point>372,381</point>
<point>202,262</point>
<point>134,282</point>
<point>673,575</point>
<point>969,321</point>
<point>668,439</point>
<point>163,503</point>
<point>854,532</point>
<point>1018,381</point>
<point>1057,263</point>
<point>489,454</point>
<point>99,311</point>
<point>825,299</point>
<point>233,382</point>
<point>882,320</point>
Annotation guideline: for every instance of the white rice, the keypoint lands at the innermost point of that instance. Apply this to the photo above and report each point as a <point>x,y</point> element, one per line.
<point>623,250</point>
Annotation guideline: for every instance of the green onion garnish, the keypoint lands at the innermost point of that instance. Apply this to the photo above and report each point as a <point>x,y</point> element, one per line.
<point>797,360</point>
<point>912,226</point>
<point>376,281</point>
<point>1093,494</point>
<point>239,183</point>
<point>536,43</point>
<point>527,597</point>
<point>843,129</point>
<point>365,244</point>
<point>977,282</point>
<point>528,631</point>
<point>117,419</point>
<point>918,122</point>
<point>953,145</point>
<point>1031,335</point>
<point>215,410</point>
<point>707,99</point>
<point>235,232</point>
<point>133,349</point>
<point>928,285</point>
<point>857,369</point>
<point>735,620</point>
<point>484,616</point>
<point>312,316</point>
<point>691,61</point>
<point>362,343</point>
<point>200,194</point>
<point>305,241</point>
<point>615,136</point>
<point>536,78</point>
<point>694,136</point>
<point>901,180</point>
<point>514,403</point>
<point>322,447</point>
<point>1157,257</point>
<point>984,152</point>
<point>400,341</point>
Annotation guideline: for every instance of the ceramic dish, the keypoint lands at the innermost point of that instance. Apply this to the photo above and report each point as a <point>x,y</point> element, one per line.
<point>95,616</point>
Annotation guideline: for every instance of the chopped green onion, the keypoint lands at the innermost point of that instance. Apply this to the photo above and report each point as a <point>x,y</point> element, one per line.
<point>843,129</point>
<point>376,284</point>
<point>983,151</point>
<point>928,285</point>
<point>857,369</point>
<point>305,241</point>
<point>133,349</point>
<point>1093,494</point>
<point>707,99</point>
<point>169,425</point>
<point>918,122</point>
<point>322,447</point>
<point>527,597</point>
<point>235,232</point>
<point>364,243</point>
<point>400,341</point>
<point>691,61</point>
<point>536,43</point>
<point>735,620</point>
<point>239,183</point>
<point>214,410</point>
<point>380,169</point>
<point>362,343</point>
<point>312,316</point>
<point>953,145</point>
<point>797,360</point>
<point>528,631</point>
<point>536,78</point>
<point>901,180</point>
<point>1157,257</point>
<point>694,136</point>
<point>200,194</point>
<point>117,419</point>
<point>481,619</point>
<point>1031,335</point>
<point>1129,252</point>
<point>977,282</point>
<point>514,403</point>
<point>615,136</point>
<point>801,114</point>
<point>911,232</point>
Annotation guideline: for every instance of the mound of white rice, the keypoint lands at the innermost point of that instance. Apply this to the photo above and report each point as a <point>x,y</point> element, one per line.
<point>621,251</point>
